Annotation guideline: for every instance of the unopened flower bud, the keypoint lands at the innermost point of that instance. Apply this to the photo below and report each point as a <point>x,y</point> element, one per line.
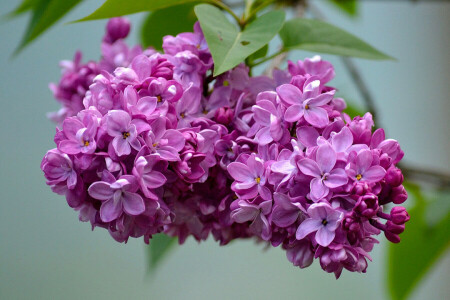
<point>224,115</point>
<point>399,215</point>
<point>394,176</point>
<point>116,29</point>
<point>399,194</point>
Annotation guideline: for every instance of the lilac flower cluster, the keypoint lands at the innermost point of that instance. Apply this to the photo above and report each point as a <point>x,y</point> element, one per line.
<point>152,142</point>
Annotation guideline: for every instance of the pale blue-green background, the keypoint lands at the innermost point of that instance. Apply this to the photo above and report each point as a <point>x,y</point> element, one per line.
<point>45,253</point>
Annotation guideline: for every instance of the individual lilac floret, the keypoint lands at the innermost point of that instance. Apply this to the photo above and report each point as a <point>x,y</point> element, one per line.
<point>256,214</point>
<point>323,170</point>
<point>308,104</point>
<point>58,168</point>
<point>80,135</point>
<point>119,127</point>
<point>324,220</point>
<point>362,169</point>
<point>250,178</point>
<point>147,171</point>
<point>117,197</point>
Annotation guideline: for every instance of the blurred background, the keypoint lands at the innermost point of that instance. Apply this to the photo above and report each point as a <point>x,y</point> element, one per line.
<point>46,253</point>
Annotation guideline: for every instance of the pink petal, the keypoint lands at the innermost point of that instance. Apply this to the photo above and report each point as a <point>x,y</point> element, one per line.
<point>240,172</point>
<point>289,94</point>
<point>336,178</point>
<point>101,190</point>
<point>154,179</point>
<point>374,174</point>
<point>316,116</point>
<point>121,146</point>
<point>294,113</point>
<point>326,158</point>
<point>110,210</point>
<point>306,227</point>
<point>133,204</point>
<point>363,161</point>
<point>69,146</point>
<point>324,237</point>
<point>309,167</point>
<point>318,189</point>
<point>342,140</point>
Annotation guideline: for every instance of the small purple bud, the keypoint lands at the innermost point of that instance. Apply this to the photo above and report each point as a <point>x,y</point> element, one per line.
<point>393,238</point>
<point>399,215</point>
<point>394,228</point>
<point>399,194</point>
<point>116,29</point>
<point>367,205</point>
<point>394,176</point>
<point>224,115</point>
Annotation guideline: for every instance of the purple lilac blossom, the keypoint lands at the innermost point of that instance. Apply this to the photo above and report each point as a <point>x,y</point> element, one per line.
<point>151,143</point>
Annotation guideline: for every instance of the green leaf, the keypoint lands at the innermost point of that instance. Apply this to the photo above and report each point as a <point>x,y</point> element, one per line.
<point>258,54</point>
<point>44,14</point>
<point>115,8</point>
<point>353,110</point>
<point>23,7</point>
<point>348,6</point>
<point>420,247</point>
<point>170,20</point>
<point>227,44</point>
<point>159,247</point>
<point>317,36</point>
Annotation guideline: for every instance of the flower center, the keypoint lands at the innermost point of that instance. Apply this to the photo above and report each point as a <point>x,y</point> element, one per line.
<point>358,177</point>
<point>258,180</point>
<point>182,115</point>
<point>226,83</point>
<point>205,111</point>
<point>307,106</point>
<point>324,222</point>
<point>125,135</point>
<point>159,98</point>
<point>86,143</point>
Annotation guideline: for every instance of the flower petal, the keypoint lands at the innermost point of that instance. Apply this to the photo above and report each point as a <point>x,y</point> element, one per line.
<point>306,227</point>
<point>324,237</point>
<point>133,204</point>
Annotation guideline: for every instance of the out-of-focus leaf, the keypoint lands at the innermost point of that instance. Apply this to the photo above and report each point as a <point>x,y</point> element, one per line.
<point>23,7</point>
<point>318,36</point>
<point>115,8</point>
<point>227,44</point>
<point>348,6</point>
<point>171,20</point>
<point>353,111</point>
<point>44,14</point>
<point>160,245</point>
<point>420,247</point>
